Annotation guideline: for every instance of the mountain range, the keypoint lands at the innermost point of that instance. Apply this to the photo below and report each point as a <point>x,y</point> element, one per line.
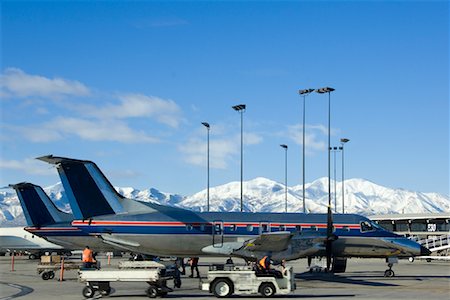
<point>264,195</point>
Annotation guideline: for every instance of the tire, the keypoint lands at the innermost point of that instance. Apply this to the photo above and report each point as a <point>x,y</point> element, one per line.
<point>88,292</point>
<point>151,292</point>
<point>267,290</point>
<point>222,288</point>
<point>32,256</point>
<point>51,274</point>
<point>45,275</point>
<point>389,273</point>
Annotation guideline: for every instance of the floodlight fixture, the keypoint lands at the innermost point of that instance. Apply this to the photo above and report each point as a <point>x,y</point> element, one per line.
<point>239,107</point>
<point>324,90</point>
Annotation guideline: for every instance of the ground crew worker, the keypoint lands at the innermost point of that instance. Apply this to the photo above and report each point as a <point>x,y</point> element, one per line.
<point>193,261</point>
<point>264,264</point>
<point>88,258</point>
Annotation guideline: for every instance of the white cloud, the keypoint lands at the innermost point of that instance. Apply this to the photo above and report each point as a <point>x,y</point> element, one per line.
<point>313,136</point>
<point>221,151</point>
<point>28,166</point>
<point>108,130</point>
<point>139,106</point>
<point>93,130</point>
<point>16,83</point>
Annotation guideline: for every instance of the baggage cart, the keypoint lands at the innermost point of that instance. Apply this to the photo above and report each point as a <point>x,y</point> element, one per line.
<point>150,272</point>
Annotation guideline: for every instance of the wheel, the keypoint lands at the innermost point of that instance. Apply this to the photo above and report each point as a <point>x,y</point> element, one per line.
<point>88,292</point>
<point>32,256</point>
<point>51,274</point>
<point>267,289</point>
<point>45,275</point>
<point>389,273</point>
<point>152,292</point>
<point>222,288</point>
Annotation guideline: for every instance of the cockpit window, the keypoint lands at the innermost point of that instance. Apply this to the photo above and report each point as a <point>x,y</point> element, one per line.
<point>366,226</point>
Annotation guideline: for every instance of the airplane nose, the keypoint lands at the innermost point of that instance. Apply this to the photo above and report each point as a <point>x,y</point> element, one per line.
<point>424,251</point>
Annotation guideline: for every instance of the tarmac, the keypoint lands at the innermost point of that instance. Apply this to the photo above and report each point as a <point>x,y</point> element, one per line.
<point>363,280</point>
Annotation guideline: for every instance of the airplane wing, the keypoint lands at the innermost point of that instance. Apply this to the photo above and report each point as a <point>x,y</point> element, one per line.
<point>269,242</point>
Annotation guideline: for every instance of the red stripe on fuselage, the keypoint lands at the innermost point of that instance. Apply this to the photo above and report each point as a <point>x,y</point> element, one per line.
<point>240,224</point>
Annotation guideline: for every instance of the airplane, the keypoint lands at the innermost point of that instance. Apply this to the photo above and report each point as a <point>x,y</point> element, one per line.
<point>16,239</point>
<point>45,220</point>
<point>161,230</point>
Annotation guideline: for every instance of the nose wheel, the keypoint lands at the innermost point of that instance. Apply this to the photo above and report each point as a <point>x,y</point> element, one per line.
<point>389,272</point>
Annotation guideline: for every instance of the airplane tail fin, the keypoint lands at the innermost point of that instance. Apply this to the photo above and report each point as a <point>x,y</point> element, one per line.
<point>88,190</point>
<point>37,207</point>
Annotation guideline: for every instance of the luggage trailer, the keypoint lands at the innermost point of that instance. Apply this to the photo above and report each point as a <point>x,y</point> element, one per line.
<point>151,272</point>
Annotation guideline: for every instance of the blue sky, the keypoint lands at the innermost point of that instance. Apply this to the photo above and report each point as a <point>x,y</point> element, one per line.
<point>127,85</point>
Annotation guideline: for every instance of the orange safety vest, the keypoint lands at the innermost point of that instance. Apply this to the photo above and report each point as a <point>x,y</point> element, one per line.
<point>263,263</point>
<point>87,255</point>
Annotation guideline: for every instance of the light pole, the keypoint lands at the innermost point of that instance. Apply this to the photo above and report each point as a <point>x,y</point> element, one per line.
<point>241,109</point>
<point>208,128</point>
<point>343,141</point>
<point>335,149</point>
<point>304,93</point>
<point>285,176</point>
<point>323,91</point>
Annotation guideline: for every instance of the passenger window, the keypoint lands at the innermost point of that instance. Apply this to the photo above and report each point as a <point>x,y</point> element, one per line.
<point>189,227</point>
<point>249,228</point>
<point>298,228</point>
<point>202,227</point>
<point>366,226</point>
<point>217,228</point>
<point>233,227</point>
<point>313,227</point>
<point>282,228</point>
<point>264,227</point>
<point>345,228</point>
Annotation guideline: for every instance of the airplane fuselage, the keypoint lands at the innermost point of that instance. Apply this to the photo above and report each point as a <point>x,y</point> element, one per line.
<point>184,233</point>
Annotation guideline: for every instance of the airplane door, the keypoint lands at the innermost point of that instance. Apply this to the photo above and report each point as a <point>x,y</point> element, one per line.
<point>217,231</point>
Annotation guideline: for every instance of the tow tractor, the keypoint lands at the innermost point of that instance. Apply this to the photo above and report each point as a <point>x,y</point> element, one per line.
<point>224,281</point>
<point>155,274</point>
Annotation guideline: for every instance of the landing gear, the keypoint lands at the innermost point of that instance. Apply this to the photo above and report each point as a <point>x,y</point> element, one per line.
<point>389,272</point>
<point>390,262</point>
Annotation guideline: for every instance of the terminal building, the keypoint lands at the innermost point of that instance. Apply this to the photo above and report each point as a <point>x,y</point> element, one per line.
<point>430,230</point>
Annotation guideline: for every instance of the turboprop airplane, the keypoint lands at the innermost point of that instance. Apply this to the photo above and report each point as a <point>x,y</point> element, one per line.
<point>161,230</point>
<point>45,220</point>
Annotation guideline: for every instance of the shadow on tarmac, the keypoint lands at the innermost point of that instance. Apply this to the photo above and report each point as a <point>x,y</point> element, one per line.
<point>329,277</point>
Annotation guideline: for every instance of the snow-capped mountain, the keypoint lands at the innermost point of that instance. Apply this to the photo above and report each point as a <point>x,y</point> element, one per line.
<point>264,195</point>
